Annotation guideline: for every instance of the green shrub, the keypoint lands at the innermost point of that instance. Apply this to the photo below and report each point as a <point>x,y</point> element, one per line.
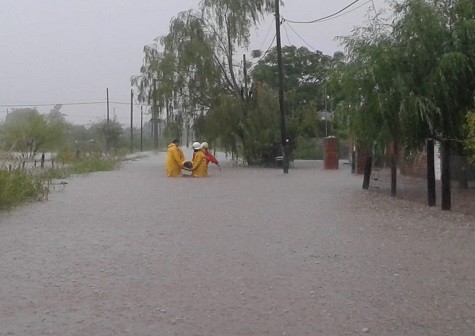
<point>53,174</point>
<point>17,187</point>
<point>93,164</point>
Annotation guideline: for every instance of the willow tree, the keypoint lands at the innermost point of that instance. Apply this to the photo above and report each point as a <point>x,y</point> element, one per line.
<point>371,90</point>
<point>305,88</point>
<point>415,81</point>
<point>195,68</point>
<point>436,40</point>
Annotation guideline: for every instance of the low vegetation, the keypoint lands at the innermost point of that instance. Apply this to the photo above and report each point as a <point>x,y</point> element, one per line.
<point>22,186</point>
<point>17,187</point>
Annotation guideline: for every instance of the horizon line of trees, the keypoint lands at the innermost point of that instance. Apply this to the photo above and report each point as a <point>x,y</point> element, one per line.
<point>27,132</point>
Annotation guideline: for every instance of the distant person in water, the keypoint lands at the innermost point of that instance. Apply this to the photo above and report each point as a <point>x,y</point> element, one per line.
<point>209,157</point>
<point>174,159</point>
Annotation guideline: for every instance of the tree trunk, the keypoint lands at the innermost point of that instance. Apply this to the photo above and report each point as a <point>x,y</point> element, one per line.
<point>431,197</point>
<point>394,169</point>
<point>446,180</point>
<point>367,172</point>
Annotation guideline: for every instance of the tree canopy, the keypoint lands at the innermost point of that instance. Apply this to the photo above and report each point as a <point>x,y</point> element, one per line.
<point>193,71</point>
<point>412,79</point>
<point>27,131</point>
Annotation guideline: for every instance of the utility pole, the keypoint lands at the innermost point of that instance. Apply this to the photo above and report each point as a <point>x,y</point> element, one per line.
<point>107,93</point>
<point>131,121</point>
<point>326,110</point>
<point>108,118</point>
<point>141,128</point>
<point>155,116</point>
<point>284,144</point>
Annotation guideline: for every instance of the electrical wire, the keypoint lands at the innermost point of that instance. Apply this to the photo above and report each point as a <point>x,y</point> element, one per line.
<point>325,17</point>
<point>374,8</point>
<point>308,44</point>
<point>70,104</point>
<point>287,34</point>
<point>267,34</point>
<point>41,105</point>
<point>347,12</point>
<point>265,53</point>
<point>323,20</point>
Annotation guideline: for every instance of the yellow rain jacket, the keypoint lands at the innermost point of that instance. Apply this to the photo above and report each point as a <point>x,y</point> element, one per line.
<point>200,167</point>
<point>174,161</point>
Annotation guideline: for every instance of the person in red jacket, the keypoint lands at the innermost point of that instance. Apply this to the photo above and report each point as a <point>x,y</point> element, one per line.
<point>209,157</point>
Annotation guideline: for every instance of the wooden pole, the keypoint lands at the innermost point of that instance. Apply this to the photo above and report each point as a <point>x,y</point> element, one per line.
<point>108,119</point>
<point>131,121</point>
<point>107,94</point>
<point>141,128</point>
<point>394,168</point>
<point>285,160</point>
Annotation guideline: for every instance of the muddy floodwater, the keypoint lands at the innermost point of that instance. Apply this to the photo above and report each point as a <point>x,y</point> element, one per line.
<point>247,251</point>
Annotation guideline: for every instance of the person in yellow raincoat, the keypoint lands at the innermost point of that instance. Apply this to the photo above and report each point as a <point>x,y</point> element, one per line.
<point>200,166</point>
<point>174,159</point>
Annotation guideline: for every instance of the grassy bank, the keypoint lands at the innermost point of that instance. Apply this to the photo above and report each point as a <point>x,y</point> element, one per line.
<point>18,187</point>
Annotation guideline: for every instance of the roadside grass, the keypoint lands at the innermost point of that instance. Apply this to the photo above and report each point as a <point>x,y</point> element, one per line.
<point>18,187</point>
<point>93,164</point>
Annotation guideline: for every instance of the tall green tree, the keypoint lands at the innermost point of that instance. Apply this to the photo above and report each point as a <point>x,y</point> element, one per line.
<point>414,80</point>
<point>194,69</point>
<point>107,133</point>
<point>305,72</point>
<point>27,131</point>
<point>437,42</point>
<point>370,92</point>
<point>306,88</point>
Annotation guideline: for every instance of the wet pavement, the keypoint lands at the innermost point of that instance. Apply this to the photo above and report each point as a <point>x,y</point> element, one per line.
<point>247,251</point>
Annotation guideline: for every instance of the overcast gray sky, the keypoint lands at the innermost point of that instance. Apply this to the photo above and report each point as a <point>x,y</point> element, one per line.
<point>70,51</point>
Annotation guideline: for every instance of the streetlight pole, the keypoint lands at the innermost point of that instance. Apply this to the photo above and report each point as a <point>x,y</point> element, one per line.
<point>284,144</point>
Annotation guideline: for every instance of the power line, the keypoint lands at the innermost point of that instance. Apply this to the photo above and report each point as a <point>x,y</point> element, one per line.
<point>347,12</point>
<point>374,8</point>
<point>323,20</point>
<point>308,44</point>
<point>267,34</point>
<point>64,104</point>
<point>287,34</point>
<point>70,104</point>
<point>135,104</point>
<point>325,17</point>
<point>265,53</point>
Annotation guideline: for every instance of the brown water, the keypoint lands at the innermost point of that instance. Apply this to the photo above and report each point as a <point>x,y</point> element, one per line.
<point>246,251</point>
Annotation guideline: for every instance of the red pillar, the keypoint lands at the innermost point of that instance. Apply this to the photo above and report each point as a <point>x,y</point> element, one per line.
<point>331,153</point>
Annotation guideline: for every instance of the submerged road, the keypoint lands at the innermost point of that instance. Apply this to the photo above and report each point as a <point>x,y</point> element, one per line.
<point>247,251</point>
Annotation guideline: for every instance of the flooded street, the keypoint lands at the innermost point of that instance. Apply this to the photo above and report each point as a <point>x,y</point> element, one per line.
<point>246,251</point>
